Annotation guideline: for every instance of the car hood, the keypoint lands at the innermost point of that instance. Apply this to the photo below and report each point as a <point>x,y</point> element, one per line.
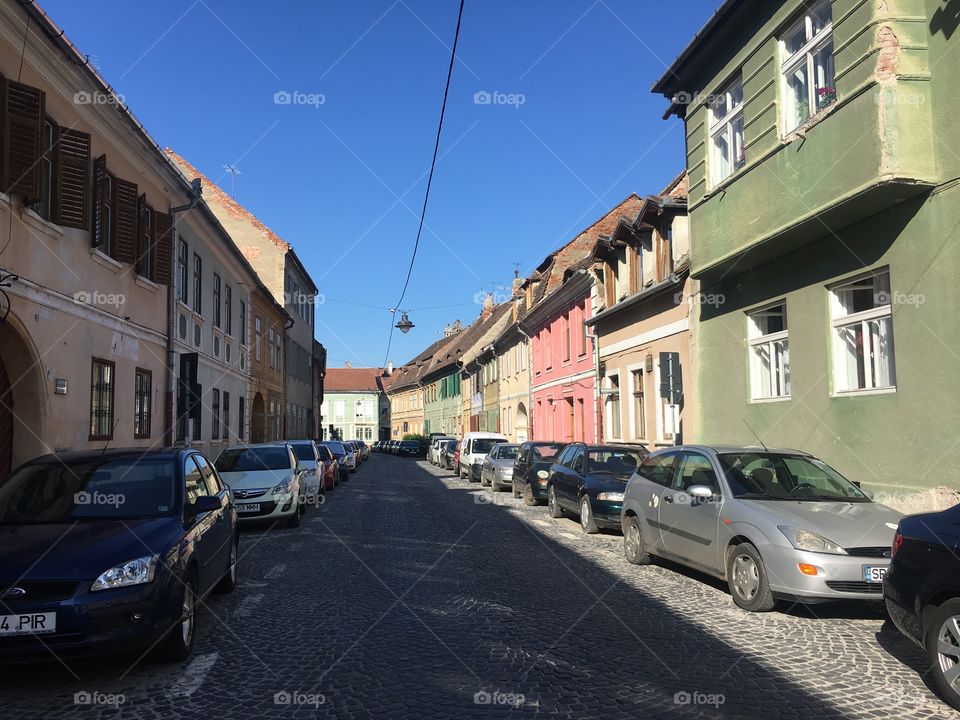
<point>605,482</point>
<point>847,524</point>
<point>502,464</point>
<point>80,550</point>
<point>249,479</point>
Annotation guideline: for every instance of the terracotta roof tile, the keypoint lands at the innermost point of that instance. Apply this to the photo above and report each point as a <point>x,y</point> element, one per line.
<point>352,379</point>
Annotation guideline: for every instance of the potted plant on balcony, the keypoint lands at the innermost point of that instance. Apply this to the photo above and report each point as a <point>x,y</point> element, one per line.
<point>826,96</point>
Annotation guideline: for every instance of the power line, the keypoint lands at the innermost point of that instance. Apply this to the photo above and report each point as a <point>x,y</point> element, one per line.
<point>426,195</point>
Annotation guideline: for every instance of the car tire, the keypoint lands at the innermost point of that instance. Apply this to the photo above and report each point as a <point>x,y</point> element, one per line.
<point>294,521</point>
<point>178,645</point>
<point>553,507</point>
<point>483,482</point>
<point>747,579</point>
<point>941,662</point>
<point>587,522</point>
<point>228,583</point>
<point>633,546</point>
<point>528,498</point>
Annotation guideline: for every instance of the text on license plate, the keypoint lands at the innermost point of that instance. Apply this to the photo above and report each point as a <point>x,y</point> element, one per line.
<point>874,573</point>
<point>248,507</point>
<point>28,623</point>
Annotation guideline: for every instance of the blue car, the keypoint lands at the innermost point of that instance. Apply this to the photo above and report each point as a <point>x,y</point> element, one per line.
<point>111,551</point>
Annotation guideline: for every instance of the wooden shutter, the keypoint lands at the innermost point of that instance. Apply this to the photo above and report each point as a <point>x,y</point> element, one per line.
<point>99,189</point>
<point>22,140</point>
<point>142,248</point>
<point>72,183</point>
<point>124,221</point>
<point>163,247</point>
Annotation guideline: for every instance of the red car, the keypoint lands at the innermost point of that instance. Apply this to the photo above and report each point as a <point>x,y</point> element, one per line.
<point>331,469</point>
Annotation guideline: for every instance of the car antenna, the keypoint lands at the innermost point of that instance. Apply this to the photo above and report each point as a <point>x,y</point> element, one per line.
<point>755,435</point>
<point>107,444</point>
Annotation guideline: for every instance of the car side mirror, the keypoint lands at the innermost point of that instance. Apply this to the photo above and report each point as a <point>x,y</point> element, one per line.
<point>701,492</point>
<point>203,504</point>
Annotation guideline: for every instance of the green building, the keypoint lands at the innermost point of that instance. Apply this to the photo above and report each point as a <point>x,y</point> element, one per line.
<point>824,208</point>
<point>441,401</point>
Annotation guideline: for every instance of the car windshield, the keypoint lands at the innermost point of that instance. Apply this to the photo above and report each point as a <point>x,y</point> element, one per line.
<point>304,451</point>
<point>779,476</point>
<point>611,461</point>
<point>324,453</point>
<point>451,445</point>
<point>91,489</point>
<point>409,444</point>
<point>546,452</point>
<point>507,452</point>
<point>483,445</point>
<point>253,459</point>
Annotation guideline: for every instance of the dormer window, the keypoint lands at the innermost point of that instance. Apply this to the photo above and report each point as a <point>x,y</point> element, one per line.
<point>807,66</point>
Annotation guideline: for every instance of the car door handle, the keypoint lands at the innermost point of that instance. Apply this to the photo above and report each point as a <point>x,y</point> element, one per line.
<point>668,498</point>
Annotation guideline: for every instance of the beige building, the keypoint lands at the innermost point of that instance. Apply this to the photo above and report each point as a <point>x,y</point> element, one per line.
<point>642,322</point>
<point>512,348</point>
<point>267,325</point>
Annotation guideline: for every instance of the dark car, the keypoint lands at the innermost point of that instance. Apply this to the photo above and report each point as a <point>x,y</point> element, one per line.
<point>589,481</point>
<point>447,450</point>
<point>339,454</point>
<point>111,551</point>
<point>922,592</point>
<point>394,447</point>
<point>412,448</point>
<point>531,470</point>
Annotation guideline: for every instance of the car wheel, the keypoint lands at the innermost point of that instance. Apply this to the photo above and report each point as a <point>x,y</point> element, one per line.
<point>747,579</point>
<point>587,523</point>
<point>295,520</point>
<point>553,507</point>
<point>633,548</point>
<point>178,645</point>
<point>483,481</point>
<point>943,650</point>
<point>528,497</point>
<point>228,583</point>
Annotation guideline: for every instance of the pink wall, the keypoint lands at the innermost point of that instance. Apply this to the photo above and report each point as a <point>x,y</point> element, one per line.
<point>566,410</point>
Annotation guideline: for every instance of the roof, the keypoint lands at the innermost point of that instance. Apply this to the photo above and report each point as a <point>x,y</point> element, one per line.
<point>409,373</point>
<point>465,340</point>
<point>353,380</point>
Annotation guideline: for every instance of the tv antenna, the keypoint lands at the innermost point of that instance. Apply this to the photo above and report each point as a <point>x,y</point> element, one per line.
<point>232,171</point>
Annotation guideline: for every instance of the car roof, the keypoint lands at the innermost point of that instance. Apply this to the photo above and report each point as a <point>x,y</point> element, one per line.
<point>111,453</point>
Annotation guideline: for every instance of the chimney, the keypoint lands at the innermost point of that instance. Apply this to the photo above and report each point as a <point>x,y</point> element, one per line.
<point>517,282</point>
<point>457,327</point>
<point>348,364</point>
<point>487,305</point>
<point>448,331</point>
<point>389,369</point>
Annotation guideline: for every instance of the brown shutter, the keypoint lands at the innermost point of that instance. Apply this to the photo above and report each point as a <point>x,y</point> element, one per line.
<point>142,248</point>
<point>22,136</point>
<point>124,221</point>
<point>99,176</point>
<point>72,185</point>
<point>163,247</point>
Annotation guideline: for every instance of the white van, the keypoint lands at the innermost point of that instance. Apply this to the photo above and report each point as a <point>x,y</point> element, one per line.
<point>473,449</point>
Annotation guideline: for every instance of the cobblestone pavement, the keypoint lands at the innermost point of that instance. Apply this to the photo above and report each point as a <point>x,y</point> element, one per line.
<point>413,594</point>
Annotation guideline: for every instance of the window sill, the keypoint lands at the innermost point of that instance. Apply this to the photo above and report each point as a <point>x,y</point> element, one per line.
<point>147,284</point>
<point>45,227</point>
<point>105,260</point>
<point>859,393</point>
<point>768,400</point>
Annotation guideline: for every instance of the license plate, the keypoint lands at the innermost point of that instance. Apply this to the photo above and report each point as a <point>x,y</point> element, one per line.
<point>28,624</point>
<point>248,507</point>
<point>874,573</point>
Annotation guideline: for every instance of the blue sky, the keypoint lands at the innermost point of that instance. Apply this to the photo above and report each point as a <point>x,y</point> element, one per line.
<point>340,171</point>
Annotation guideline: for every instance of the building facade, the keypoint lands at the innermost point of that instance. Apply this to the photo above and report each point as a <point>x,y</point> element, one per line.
<point>512,351</point>
<point>352,402</point>
<point>267,322</point>
<point>823,196</point>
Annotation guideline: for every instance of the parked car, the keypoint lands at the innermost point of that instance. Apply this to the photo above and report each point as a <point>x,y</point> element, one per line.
<point>412,448</point>
<point>433,454</point>
<point>497,469</point>
<point>447,452</point>
<point>531,470</point>
<point>342,455</point>
<point>922,592</point>
<point>772,523</point>
<point>589,481</point>
<point>395,447</point>
<point>308,462</point>
<point>364,449</point>
<point>355,449</point>
<point>331,468</point>
<point>266,482</point>
<point>112,550</point>
<point>473,449</point>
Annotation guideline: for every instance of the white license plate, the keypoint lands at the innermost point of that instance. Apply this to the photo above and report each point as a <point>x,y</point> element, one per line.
<point>874,573</point>
<point>28,624</point>
<point>248,507</point>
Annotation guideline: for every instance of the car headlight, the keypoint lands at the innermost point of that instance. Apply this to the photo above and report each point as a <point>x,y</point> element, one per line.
<point>132,572</point>
<point>611,496</point>
<point>282,488</point>
<point>543,474</point>
<point>810,541</point>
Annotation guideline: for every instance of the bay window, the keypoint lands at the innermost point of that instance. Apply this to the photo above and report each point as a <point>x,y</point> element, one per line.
<point>807,66</point>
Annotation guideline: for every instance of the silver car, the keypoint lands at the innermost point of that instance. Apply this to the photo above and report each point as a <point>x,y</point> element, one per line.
<point>775,524</point>
<point>497,468</point>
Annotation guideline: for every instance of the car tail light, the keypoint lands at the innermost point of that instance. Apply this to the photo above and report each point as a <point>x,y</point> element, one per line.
<point>897,542</point>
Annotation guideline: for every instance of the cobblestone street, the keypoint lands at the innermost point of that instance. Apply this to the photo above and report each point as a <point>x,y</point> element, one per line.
<point>411,593</point>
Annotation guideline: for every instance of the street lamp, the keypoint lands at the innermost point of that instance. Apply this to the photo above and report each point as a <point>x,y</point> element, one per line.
<point>404,325</point>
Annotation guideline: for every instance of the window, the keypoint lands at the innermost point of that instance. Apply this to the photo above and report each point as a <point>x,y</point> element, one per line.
<point>215,429</point>
<point>583,328</point>
<point>547,349</point>
<point>727,151</point>
<point>216,300</point>
<point>636,270</point>
<point>862,318</point>
<point>243,323</point>
<point>769,352</point>
<point>145,259</point>
<point>807,66</point>
<point>182,254</point>
<point>142,404</point>
<point>610,283</point>
<point>226,415</point>
<point>696,469</point>
<point>613,407</point>
<point>242,417</point>
<point>48,140</point>
<point>228,308</point>
<point>270,355</point>
<point>257,333</point>
<point>664,253</point>
<point>567,341</point>
<point>639,405</point>
<point>101,399</point>
<point>103,209</point>
<point>197,284</point>
<point>659,468</point>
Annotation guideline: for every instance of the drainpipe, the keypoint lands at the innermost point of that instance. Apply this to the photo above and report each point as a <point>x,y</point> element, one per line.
<point>196,190</point>
<point>529,362</point>
<point>597,407</point>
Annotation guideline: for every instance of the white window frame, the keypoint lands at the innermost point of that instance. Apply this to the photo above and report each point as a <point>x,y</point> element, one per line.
<point>722,125</point>
<point>839,320</point>
<point>757,340</point>
<point>661,406</point>
<point>804,55</point>
<point>631,369</point>
<point>608,406</point>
